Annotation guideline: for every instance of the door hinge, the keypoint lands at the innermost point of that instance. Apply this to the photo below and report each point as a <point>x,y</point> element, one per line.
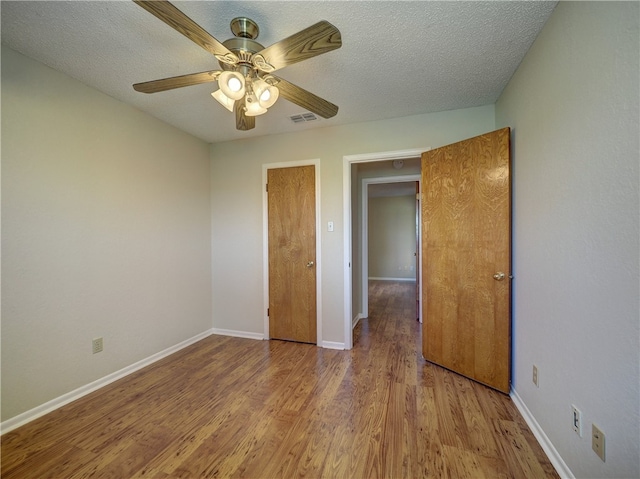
<point>267,311</point>
<point>266,187</point>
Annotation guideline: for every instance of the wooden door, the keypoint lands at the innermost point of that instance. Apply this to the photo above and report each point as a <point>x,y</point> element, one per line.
<point>466,249</point>
<point>292,251</point>
<point>418,286</point>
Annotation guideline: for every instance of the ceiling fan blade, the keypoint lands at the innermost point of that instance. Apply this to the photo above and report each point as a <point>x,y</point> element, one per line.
<point>305,99</point>
<point>310,42</point>
<point>177,20</point>
<point>177,82</point>
<point>243,122</point>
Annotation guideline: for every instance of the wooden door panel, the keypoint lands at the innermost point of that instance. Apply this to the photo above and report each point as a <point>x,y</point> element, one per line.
<point>466,240</point>
<point>292,246</point>
<point>418,285</point>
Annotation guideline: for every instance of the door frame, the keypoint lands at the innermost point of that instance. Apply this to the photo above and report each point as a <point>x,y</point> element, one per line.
<point>364,246</point>
<point>265,242</point>
<point>347,161</point>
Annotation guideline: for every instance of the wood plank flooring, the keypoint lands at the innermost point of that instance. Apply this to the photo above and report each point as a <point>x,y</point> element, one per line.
<point>230,407</point>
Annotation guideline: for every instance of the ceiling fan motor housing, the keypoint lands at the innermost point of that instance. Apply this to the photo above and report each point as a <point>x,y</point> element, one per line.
<point>244,48</point>
<point>243,44</point>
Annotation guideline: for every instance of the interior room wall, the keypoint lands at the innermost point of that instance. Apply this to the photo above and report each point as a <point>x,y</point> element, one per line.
<point>573,107</point>
<point>392,237</point>
<point>106,227</point>
<point>236,176</point>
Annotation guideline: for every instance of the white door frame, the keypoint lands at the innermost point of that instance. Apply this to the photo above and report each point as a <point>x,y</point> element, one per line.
<point>347,161</point>
<point>364,246</point>
<point>265,242</point>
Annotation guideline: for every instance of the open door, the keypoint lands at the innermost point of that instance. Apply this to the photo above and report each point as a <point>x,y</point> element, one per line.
<point>466,258</point>
<point>417,250</point>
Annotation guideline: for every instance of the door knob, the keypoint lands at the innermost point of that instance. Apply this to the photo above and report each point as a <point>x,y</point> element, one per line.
<point>309,264</point>
<point>498,276</point>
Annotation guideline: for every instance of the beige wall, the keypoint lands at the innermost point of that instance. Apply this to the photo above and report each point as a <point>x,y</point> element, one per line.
<point>392,237</point>
<point>573,107</point>
<point>105,233</point>
<point>236,177</point>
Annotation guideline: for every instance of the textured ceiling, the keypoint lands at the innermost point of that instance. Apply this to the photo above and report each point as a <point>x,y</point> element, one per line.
<point>397,58</point>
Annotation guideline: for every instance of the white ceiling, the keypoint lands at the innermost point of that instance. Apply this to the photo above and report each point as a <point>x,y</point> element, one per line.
<point>398,58</point>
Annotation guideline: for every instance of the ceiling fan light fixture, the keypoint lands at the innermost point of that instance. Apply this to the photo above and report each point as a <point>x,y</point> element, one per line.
<point>223,99</point>
<point>231,84</point>
<point>266,94</point>
<point>246,87</point>
<point>252,106</point>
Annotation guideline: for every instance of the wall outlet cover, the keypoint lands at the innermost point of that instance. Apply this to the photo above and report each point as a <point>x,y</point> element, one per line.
<point>597,441</point>
<point>97,345</point>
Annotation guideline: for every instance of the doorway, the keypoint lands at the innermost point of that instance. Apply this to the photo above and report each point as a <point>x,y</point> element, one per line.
<point>353,274</point>
<point>383,189</point>
<point>465,256</point>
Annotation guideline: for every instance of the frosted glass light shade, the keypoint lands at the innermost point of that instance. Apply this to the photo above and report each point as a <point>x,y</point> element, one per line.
<point>223,99</point>
<point>231,84</point>
<point>266,94</point>
<point>252,106</point>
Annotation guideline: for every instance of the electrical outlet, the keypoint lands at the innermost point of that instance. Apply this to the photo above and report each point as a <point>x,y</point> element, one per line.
<point>535,375</point>
<point>577,420</point>
<point>97,345</point>
<point>597,441</point>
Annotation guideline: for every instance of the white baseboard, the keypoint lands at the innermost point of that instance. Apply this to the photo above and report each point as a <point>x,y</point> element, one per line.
<point>558,463</point>
<point>30,415</point>
<point>237,334</point>
<point>332,345</point>
<point>356,320</point>
<point>244,334</point>
<point>413,280</point>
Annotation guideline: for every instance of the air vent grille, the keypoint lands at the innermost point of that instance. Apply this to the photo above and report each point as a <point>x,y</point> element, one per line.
<point>303,117</point>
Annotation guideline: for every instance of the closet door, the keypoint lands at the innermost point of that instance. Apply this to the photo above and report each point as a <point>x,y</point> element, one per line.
<point>292,253</point>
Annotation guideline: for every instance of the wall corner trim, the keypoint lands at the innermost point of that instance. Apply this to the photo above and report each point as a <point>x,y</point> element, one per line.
<point>558,463</point>
<point>52,405</point>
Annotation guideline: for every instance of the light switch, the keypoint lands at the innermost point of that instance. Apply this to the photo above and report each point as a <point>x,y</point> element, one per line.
<point>330,226</point>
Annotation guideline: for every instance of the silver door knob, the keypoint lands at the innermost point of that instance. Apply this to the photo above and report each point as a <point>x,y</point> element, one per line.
<point>309,264</point>
<point>498,276</point>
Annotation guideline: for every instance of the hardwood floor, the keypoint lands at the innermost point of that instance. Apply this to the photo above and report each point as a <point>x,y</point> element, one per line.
<point>230,407</point>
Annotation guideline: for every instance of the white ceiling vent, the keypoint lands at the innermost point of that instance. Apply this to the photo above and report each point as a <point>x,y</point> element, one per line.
<point>303,117</point>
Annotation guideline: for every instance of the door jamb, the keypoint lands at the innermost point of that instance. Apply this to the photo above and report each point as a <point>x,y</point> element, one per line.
<point>347,161</point>
<point>265,242</point>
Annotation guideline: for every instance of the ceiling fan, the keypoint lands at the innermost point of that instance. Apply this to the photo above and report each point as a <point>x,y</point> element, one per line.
<point>247,86</point>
